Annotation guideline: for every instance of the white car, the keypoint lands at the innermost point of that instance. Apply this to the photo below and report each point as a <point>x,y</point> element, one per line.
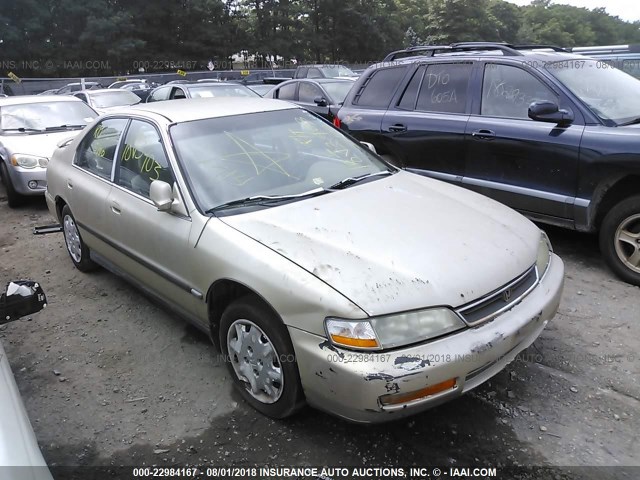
<point>325,274</point>
<point>31,127</point>
<point>107,99</point>
<point>18,444</point>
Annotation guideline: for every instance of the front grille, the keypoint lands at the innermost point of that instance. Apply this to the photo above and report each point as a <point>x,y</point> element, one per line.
<point>496,302</point>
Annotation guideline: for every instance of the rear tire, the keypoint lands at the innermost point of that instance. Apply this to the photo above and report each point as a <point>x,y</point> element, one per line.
<point>14,199</point>
<point>260,357</point>
<point>620,239</point>
<point>78,251</point>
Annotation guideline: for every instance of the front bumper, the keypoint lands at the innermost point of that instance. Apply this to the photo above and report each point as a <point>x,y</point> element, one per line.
<point>20,178</point>
<point>350,384</point>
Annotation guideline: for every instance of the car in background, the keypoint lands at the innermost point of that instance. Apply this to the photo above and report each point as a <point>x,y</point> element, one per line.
<point>142,90</point>
<point>76,87</point>
<point>624,57</point>
<point>261,88</point>
<point>18,443</point>
<point>552,134</point>
<point>199,90</point>
<point>324,71</point>
<point>296,247</point>
<point>106,99</point>
<point>122,83</point>
<point>51,91</point>
<point>30,129</point>
<point>323,96</point>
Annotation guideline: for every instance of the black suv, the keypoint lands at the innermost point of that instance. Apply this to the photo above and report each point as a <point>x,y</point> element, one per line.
<point>549,133</point>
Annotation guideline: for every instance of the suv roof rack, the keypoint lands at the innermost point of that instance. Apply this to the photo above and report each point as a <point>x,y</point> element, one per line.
<point>533,46</point>
<point>430,50</point>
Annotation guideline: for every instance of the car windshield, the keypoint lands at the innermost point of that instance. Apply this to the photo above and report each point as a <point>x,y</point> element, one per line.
<point>335,71</point>
<point>202,91</point>
<point>281,153</point>
<point>42,116</point>
<point>338,90</point>
<point>609,92</point>
<point>114,99</point>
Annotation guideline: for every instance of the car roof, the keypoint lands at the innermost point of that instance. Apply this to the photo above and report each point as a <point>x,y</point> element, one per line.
<point>26,99</point>
<point>100,90</point>
<point>185,110</point>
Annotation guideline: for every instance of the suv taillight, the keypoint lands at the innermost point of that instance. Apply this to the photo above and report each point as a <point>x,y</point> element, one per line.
<point>337,122</point>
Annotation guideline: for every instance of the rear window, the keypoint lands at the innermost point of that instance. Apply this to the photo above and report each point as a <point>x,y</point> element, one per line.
<point>378,89</point>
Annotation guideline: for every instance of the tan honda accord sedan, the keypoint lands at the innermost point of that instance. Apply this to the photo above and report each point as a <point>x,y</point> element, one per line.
<point>325,275</point>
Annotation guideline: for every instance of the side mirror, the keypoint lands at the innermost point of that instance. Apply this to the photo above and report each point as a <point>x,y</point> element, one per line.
<point>369,146</point>
<point>320,101</point>
<point>21,298</point>
<point>161,195</point>
<point>550,112</point>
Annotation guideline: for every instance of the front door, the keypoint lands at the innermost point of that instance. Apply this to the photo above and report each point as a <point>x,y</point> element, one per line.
<point>153,246</point>
<point>528,165</point>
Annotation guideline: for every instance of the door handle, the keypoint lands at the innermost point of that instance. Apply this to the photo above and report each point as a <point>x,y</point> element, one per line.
<point>398,127</point>
<point>115,208</point>
<point>484,134</point>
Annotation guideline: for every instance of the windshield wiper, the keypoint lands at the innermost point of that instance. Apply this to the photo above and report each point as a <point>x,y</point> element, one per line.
<point>64,127</point>
<point>266,200</point>
<point>21,129</point>
<point>347,182</point>
<point>630,122</point>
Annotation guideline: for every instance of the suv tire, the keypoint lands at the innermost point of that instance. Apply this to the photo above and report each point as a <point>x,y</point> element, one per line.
<point>620,239</point>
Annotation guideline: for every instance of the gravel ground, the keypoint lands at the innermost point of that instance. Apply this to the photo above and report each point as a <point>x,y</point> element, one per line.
<point>108,378</point>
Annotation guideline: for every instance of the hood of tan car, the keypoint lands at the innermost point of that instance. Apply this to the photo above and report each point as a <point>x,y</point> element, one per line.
<point>41,144</point>
<point>400,243</point>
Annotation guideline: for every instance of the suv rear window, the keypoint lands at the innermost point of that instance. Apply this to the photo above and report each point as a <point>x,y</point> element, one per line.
<point>443,88</point>
<point>378,89</point>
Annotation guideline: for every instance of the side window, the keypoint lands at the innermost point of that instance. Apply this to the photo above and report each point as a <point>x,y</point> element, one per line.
<point>142,159</point>
<point>314,73</point>
<point>82,97</point>
<point>97,150</point>
<point>379,87</point>
<point>287,92</point>
<point>444,88</point>
<point>159,95</point>
<point>302,73</point>
<point>508,91</point>
<point>410,95</point>
<point>308,92</point>
<point>177,94</point>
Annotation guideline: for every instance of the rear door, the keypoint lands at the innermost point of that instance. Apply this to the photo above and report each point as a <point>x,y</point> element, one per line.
<point>89,182</point>
<point>529,165</point>
<point>368,103</point>
<point>424,130</point>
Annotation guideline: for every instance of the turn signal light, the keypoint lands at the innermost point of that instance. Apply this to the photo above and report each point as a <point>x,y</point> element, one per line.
<point>399,398</point>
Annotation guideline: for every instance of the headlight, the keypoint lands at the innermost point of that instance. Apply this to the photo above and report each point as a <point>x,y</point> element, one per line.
<point>544,254</point>
<point>393,330</point>
<point>28,161</point>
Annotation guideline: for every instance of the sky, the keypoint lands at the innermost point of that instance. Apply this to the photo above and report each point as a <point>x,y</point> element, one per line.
<point>628,10</point>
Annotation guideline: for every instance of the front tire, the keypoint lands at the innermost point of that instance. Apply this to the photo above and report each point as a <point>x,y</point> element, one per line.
<point>260,358</point>
<point>620,239</point>
<point>78,251</point>
<point>14,199</point>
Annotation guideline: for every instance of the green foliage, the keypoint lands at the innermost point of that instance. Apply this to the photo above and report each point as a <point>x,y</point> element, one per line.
<point>71,38</point>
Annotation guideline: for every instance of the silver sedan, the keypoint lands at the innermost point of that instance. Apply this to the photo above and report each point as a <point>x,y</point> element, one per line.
<point>323,274</point>
<point>31,126</point>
